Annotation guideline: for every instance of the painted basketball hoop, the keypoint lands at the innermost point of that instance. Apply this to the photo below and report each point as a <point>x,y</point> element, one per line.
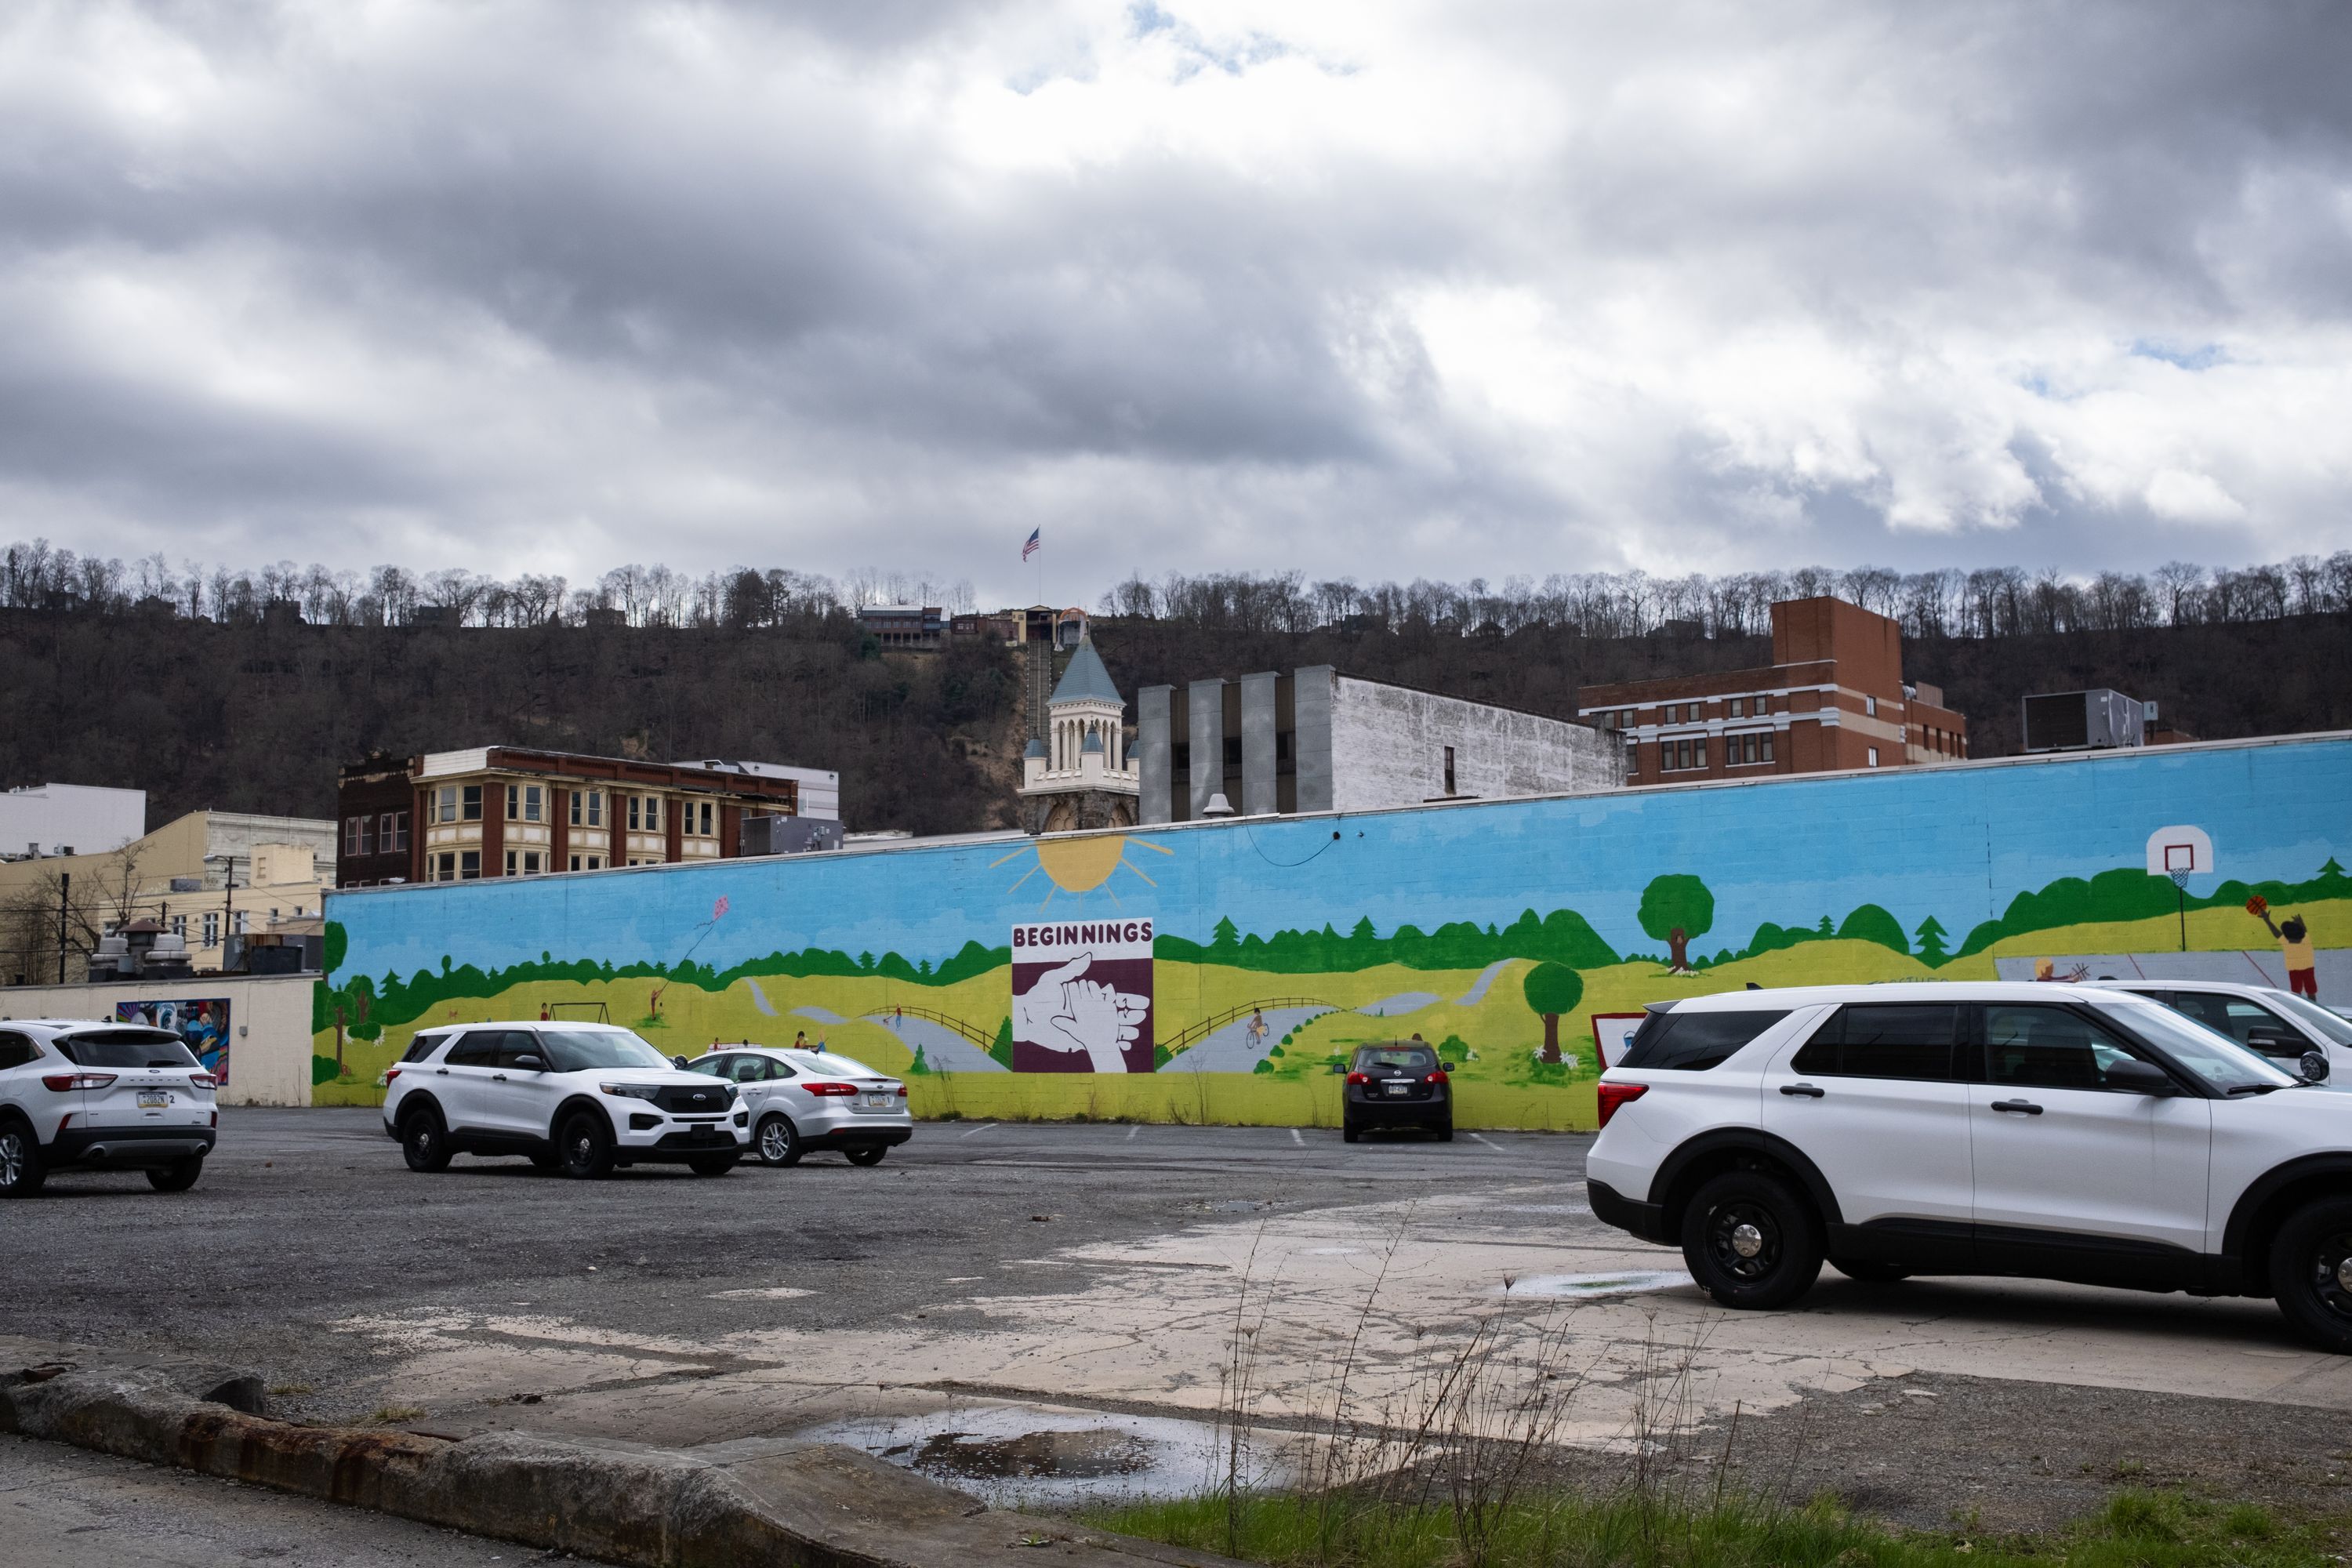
<point>2180,852</point>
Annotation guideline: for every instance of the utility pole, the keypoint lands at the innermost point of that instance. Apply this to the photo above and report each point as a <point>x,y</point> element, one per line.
<point>65,904</point>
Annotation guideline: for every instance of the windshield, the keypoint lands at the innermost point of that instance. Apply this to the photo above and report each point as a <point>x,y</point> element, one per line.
<point>124,1049</point>
<point>2312,1016</point>
<point>2217,1058</point>
<point>576,1050</point>
<point>836,1067</point>
<point>1403,1058</point>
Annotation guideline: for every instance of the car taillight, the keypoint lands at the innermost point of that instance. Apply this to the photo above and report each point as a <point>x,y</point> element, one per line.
<point>391,1073</point>
<point>67,1082</point>
<point>1437,1076</point>
<point>203,1080</point>
<point>1613,1095</point>
<point>902,1091</point>
<point>1359,1077</point>
<point>826,1091</point>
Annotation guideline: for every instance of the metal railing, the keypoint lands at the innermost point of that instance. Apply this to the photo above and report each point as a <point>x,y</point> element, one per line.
<point>985,1041</point>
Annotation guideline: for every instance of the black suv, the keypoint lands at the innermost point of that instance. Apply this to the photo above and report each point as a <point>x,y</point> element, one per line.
<point>1393,1084</point>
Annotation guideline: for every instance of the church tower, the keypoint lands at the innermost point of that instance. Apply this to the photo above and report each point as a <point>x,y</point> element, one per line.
<point>1078,775</point>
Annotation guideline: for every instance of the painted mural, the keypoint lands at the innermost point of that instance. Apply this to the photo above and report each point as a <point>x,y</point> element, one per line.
<point>1217,972</point>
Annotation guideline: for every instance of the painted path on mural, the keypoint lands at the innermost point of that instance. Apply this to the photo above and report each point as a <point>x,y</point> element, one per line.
<point>1234,1048</point>
<point>944,1051</point>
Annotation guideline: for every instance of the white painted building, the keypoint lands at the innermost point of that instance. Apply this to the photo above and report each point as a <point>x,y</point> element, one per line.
<point>70,819</point>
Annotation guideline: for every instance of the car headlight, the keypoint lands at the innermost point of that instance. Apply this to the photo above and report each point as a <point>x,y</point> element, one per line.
<point>629,1090</point>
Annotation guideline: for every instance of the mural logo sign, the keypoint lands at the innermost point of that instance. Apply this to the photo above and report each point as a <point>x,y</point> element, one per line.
<point>1082,996</point>
<point>201,1023</point>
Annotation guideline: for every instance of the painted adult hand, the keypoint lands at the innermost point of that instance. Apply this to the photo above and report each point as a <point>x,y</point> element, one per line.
<point>1034,1009</point>
<point>1101,1020</point>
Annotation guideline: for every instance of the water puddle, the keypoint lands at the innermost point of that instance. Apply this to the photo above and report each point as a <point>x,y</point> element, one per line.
<point>1585,1287</point>
<point>1023,1456</point>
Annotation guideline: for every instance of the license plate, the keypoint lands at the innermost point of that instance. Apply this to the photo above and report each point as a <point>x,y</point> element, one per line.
<point>1399,1088</point>
<point>879,1101</point>
<point>154,1099</point>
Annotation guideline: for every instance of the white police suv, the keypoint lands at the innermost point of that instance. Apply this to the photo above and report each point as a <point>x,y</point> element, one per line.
<point>576,1098</point>
<point>105,1096</point>
<point>2046,1130</point>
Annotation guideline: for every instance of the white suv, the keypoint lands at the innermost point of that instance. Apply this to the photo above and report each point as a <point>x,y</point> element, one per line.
<point>576,1098</point>
<point>2046,1131</point>
<point>803,1100</point>
<point>101,1096</point>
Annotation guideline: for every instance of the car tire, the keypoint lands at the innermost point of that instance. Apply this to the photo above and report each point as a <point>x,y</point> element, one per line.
<point>1348,1132</point>
<point>778,1142</point>
<point>712,1164</point>
<point>178,1176</point>
<point>1445,1132</point>
<point>21,1170</point>
<point>870,1154</point>
<point>2310,1265</point>
<point>1743,1210</point>
<point>1864,1271</point>
<point>548,1163</point>
<point>424,1140</point>
<point>585,1146</point>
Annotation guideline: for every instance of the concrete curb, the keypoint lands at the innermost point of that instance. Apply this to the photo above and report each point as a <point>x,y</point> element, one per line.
<point>758,1501</point>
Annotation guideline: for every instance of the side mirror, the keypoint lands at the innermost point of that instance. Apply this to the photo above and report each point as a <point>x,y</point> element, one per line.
<point>530,1064</point>
<point>1449,1067</point>
<point>1338,1066</point>
<point>681,1063</point>
<point>2139,1077</point>
<point>2315,1066</point>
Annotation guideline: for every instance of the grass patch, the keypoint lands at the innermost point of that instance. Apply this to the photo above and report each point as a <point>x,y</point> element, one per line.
<point>288,1390</point>
<point>393,1414</point>
<point>1631,1529</point>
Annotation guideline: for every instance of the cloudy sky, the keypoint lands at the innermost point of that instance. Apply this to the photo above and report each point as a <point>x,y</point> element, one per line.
<point>1367,289</point>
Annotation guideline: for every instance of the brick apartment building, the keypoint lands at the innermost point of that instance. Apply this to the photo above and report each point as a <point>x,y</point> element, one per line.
<point>504,811</point>
<point>1834,697</point>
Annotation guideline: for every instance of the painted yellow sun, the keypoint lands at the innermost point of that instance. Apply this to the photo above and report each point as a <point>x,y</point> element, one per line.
<point>1080,866</point>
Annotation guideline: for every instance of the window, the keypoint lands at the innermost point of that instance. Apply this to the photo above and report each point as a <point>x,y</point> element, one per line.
<point>1285,741</point>
<point>1179,757</point>
<point>1910,1041</point>
<point>180,927</point>
<point>472,796</point>
<point>445,868</point>
<point>1449,769</point>
<point>1632,757</point>
<point>2238,1018</point>
<point>595,862</point>
<point>2028,1046</point>
<point>532,863</point>
<point>212,930</point>
<point>1739,707</point>
<point>469,865</point>
<point>1763,706</point>
<point>353,826</point>
<point>575,861</point>
<point>698,819</point>
<point>645,813</point>
<point>1874,756</point>
<point>513,860</point>
<point>1869,706</point>
<point>1233,750</point>
<point>394,836</point>
<point>16,1050</point>
<point>236,922</point>
<point>587,808</point>
<point>477,1048</point>
<point>1694,1042</point>
<point>447,802</point>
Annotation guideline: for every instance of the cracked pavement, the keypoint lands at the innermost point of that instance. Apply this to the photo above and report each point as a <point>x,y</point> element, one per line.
<point>1117,1268</point>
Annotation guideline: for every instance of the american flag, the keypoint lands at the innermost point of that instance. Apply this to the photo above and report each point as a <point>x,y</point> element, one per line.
<point>1031,548</point>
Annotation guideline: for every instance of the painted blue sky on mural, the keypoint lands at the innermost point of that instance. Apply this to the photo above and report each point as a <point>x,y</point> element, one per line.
<point>1957,843</point>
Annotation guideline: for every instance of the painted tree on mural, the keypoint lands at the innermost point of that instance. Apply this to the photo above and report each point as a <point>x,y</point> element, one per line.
<point>1552,989</point>
<point>1931,938</point>
<point>1675,909</point>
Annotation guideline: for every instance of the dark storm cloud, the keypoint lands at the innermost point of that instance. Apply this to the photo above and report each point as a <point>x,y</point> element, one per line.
<point>1443,291</point>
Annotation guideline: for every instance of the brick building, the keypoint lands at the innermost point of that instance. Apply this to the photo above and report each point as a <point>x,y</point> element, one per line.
<point>505,811</point>
<point>1834,697</point>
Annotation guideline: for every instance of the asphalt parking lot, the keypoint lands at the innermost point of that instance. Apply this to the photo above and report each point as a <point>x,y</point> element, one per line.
<point>1019,1274</point>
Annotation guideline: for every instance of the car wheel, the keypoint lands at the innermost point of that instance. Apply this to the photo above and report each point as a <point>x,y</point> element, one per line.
<point>178,1176</point>
<point>1865,1272</point>
<point>1349,1130</point>
<point>1445,1132</point>
<point>1751,1241</point>
<point>712,1164</point>
<point>871,1154</point>
<point>2311,1273</point>
<point>778,1142</point>
<point>424,1141</point>
<point>585,1146</point>
<point>21,1171</point>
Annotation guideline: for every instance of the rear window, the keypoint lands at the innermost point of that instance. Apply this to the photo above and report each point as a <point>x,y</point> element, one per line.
<point>837,1066</point>
<point>1905,1040</point>
<point>124,1049</point>
<point>1403,1058</point>
<point>1696,1041</point>
<point>422,1047</point>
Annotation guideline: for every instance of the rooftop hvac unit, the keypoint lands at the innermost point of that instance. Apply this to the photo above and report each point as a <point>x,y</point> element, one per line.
<point>2083,720</point>
<point>789,834</point>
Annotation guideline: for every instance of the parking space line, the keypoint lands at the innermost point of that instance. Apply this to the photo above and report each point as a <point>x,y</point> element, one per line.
<point>1298,1138</point>
<point>1132,1132</point>
<point>977,1130</point>
<point>1481,1138</point>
